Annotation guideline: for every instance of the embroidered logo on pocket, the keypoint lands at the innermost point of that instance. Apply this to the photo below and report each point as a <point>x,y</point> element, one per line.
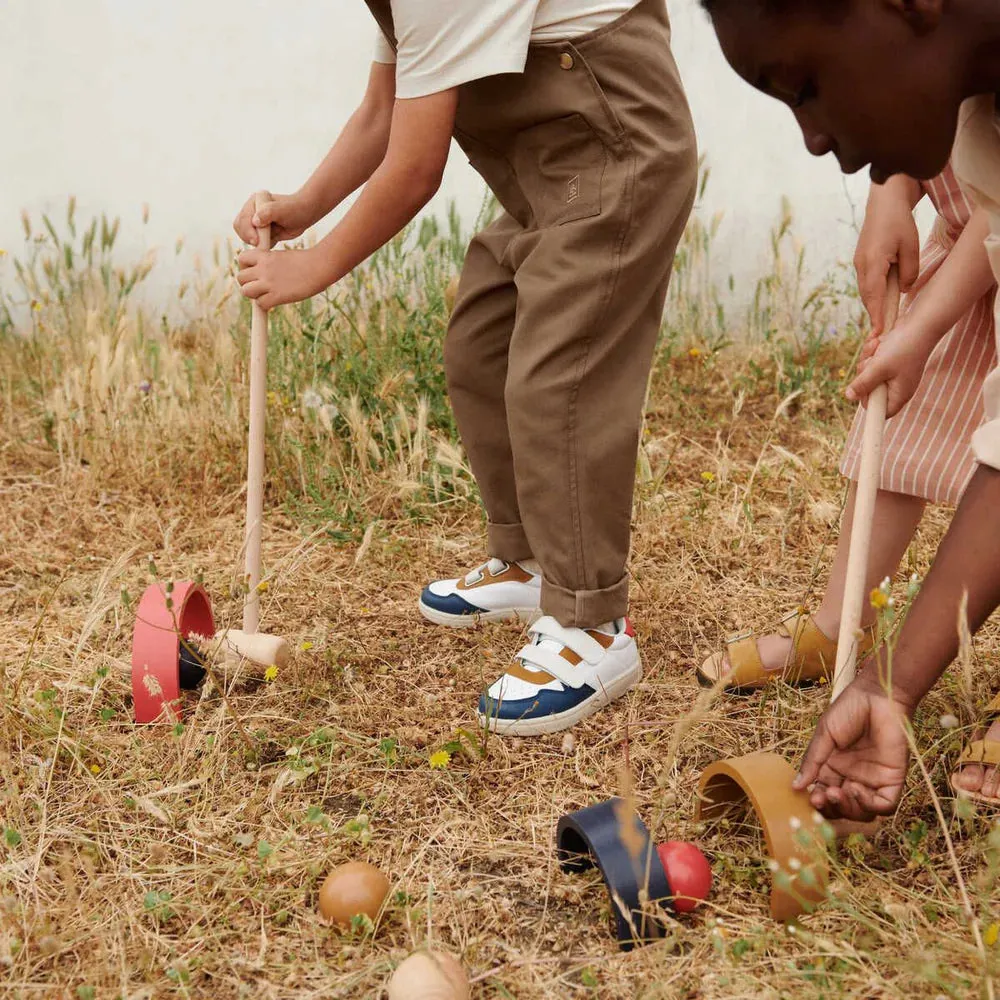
<point>573,189</point>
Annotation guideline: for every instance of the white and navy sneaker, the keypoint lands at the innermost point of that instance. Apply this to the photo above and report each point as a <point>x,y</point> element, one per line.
<point>494,592</point>
<point>562,676</point>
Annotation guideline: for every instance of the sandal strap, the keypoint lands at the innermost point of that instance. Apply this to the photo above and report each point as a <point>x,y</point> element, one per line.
<point>746,666</point>
<point>992,711</point>
<point>814,653</point>
<point>981,752</point>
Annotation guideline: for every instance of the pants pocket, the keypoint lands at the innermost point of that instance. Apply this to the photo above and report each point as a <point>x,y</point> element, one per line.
<point>560,168</point>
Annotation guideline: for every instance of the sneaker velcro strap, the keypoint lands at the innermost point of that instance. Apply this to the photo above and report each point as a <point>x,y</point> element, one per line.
<point>585,646</point>
<point>542,658</point>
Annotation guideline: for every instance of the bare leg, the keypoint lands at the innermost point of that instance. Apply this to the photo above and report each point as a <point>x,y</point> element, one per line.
<point>896,518</point>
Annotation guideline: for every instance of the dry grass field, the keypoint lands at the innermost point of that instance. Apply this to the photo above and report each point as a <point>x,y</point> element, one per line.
<point>184,861</point>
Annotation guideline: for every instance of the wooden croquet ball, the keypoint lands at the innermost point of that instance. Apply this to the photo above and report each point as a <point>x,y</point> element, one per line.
<point>429,975</point>
<point>351,890</point>
<point>688,872</point>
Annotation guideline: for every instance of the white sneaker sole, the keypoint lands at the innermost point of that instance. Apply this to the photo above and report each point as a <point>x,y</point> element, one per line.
<point>526,615</point>
<point>566,720</point>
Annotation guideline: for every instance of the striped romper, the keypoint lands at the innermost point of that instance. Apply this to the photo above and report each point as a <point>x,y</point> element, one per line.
<point>927,451</point>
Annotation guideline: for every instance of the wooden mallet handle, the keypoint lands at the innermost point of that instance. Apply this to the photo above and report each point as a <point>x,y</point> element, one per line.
<point>864,512</point>
<point>255,447</point>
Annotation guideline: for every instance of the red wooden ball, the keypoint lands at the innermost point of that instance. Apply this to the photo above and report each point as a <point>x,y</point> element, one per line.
<point>688,872</point>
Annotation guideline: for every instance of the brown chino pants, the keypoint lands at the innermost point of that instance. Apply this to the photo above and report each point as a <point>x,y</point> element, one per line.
<point>591,153</point>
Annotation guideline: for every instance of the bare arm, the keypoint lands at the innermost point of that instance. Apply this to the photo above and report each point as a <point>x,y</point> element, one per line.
<point>889,236</point>
<point>898,358</point>
<point>961,281</point>
<point>360,148</point>
<point>403,183</point>
<point>354,157</point>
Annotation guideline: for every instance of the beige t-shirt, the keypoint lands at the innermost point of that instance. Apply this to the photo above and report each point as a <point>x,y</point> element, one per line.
<point>445,44</point>
<point>976,161</point>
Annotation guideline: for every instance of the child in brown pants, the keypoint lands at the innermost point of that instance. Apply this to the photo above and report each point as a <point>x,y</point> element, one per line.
<point>574,114</point>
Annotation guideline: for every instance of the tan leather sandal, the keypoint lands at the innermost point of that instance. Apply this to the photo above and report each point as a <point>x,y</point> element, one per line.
<point>981,751</point>
<point>812,660</point>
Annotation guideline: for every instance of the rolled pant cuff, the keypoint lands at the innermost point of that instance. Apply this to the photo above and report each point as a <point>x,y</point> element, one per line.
<point>585,608</point>
<point>508,542</point>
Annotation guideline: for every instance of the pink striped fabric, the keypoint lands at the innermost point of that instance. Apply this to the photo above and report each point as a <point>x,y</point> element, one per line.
<point>928,449</point>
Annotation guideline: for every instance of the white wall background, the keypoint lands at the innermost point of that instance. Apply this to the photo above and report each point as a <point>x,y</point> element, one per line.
<point>189,105</point>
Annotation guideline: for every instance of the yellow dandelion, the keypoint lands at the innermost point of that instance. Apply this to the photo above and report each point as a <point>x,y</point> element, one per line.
<point>36,306</point>
<point>306,646</point>
<point>263,587</point>
<point>991,935</point>
<point>273,399</point>
<point>841,373</point>
<point>694,353</point>
<point>823,680</point>
<point>271,674</point>
<point>440,760</point>
<point>95,769</point>
<point>708,477</point>
<point>879,599</point>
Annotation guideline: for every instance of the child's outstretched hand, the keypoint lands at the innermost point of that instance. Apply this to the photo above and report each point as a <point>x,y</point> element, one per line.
<point>889,236</point>
<point>856,763</point>
<point>288,215</point>
<point>897,358</point>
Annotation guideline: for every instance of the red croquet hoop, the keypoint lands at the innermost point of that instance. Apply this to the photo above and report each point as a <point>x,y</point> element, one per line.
<point>156,646</point>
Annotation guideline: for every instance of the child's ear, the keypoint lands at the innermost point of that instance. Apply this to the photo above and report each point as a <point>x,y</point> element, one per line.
<point>922,15</point>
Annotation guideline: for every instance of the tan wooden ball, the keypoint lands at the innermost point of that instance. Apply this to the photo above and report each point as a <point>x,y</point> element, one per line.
<point>429,975</point>
<point>353,889</point>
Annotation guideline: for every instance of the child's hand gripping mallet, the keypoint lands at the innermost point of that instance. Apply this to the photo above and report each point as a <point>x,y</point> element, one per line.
<point>864,514</point>
<point>174,622</point>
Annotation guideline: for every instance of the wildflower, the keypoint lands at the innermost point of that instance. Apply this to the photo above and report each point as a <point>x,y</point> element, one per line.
<point>306,646</point>
<point>694,353</point>
<point>841,373</point>
<point>311,400</point>
<point>991,935</point>
<point>708,477</point>
<point>795,823</point>
<point>948,721</point>
<point>273,399</point>
<point>145,387</point>
<point>878,599</point>
<point>440,760</point>
<point>36,306</point>
<point>271,674</point>
<point>823,680</point>
<point>95,769</point>
<point>3,253</point>
<point>263,587</point>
